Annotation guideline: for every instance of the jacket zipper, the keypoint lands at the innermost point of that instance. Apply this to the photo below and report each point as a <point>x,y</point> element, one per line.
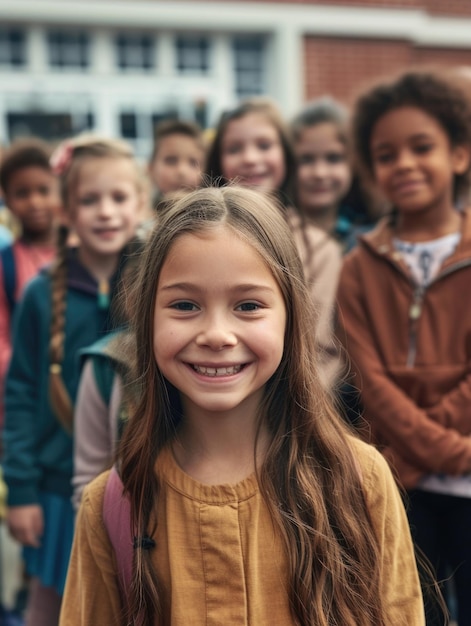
<point>415,309</point>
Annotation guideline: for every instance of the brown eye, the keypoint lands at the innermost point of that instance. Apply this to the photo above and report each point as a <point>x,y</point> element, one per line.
<point>335,157</point>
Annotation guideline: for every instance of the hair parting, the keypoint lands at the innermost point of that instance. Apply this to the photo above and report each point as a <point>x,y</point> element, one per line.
<point>309,478</point>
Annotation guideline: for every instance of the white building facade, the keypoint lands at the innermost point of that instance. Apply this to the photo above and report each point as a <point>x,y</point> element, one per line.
<point>118,67</point>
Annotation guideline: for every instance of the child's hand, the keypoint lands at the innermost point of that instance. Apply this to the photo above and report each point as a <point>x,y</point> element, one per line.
<point>26,524</point>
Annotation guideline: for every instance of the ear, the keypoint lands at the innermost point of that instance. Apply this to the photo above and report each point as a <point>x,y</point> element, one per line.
<point>460,159</point>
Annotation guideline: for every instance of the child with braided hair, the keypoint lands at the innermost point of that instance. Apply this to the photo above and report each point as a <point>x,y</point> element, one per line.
<point>63,310</point>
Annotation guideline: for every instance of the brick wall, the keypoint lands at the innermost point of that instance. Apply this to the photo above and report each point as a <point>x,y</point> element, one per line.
<point>437,7</point>
<point>342,67</point>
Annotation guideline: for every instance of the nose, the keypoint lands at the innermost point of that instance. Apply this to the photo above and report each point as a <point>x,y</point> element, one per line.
<point>405,159</point>
<point>216,333</point>
<point>250,154</point>
<point>36,199</point>
<point>184,171</point>
<point>319,168</point>
<point>106,208</point>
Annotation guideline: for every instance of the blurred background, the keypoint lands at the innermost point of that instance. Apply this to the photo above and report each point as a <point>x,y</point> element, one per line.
<point>121,66</point>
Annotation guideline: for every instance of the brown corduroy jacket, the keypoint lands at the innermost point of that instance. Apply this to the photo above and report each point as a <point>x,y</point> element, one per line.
<point>410,350</point>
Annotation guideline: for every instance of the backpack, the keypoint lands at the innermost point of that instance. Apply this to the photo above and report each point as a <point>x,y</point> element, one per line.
<point>117,521</point>
<point>9,276</point>
<point>105,367</point>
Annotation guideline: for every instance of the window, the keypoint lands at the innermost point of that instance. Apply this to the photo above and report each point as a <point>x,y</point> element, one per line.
<point>128,124</point>
<point>48,125</point>
<point>192,54</point>
<point>68,49</point>
<point>12,47</point>
<point>135,52</point>
<point>249,65</point>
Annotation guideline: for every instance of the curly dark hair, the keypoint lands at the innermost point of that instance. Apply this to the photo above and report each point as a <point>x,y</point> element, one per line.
<point>23,153</point>
<point>443,97</point>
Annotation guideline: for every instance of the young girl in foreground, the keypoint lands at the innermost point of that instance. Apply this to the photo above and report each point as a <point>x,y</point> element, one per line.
<point>404,302</point>
<point>64,309</point>
<point>252,147</point>
<point>261,509</point>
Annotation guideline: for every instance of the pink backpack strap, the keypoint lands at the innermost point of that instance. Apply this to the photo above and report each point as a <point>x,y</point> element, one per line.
<point>117,520</point>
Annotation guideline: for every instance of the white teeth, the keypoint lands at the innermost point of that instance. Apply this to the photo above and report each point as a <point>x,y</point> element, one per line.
<point>217,371</point>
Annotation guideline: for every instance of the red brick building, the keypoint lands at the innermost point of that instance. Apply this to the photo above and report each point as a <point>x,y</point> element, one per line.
<point>395,34</point>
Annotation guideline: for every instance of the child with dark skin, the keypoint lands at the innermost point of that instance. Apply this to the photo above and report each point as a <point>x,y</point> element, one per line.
<point>31,193</point>
<point>404,304</point>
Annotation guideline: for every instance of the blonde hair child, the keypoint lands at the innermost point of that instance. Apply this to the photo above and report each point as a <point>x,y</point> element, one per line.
<point>64,309</point>
<point>254,501</point>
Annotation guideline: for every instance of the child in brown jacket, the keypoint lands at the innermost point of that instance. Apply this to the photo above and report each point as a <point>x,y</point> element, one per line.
<point>404,301</point>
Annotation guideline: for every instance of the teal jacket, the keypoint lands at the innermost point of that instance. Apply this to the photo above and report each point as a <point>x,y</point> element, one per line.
<point>38,451</point>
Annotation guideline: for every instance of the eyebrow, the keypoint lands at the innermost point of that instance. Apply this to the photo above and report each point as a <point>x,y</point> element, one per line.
<point>386,144</point>
<point>246,288</point>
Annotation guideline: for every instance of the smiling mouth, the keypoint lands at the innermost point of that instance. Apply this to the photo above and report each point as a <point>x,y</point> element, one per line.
<point>255,177</point>
<point>406,185</point>
<point>213,372</point>
<point>320,189</point>
<point>106,231</point>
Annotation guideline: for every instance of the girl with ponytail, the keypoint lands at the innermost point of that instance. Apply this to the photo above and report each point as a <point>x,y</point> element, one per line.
<point>64,309</point>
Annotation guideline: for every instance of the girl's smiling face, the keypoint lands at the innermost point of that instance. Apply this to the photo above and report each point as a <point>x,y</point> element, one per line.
<point>106,206</point>
<point>323,174</point>
<point>219,323</point>
<point>252,153</point>
<point>414,162</point>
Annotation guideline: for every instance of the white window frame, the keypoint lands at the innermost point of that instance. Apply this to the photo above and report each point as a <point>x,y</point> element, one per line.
<point>193,54</point>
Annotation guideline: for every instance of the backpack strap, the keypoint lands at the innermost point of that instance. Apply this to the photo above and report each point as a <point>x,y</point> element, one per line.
<point>104,374</point>
<point>117,520</point>
<point>104,366</point>
<point>9,276</point>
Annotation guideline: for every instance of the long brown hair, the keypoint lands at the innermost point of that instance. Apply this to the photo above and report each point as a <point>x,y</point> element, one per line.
<point>309,478</point>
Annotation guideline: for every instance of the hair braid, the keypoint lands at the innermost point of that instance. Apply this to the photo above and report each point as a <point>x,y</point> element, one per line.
<point>58,394</point>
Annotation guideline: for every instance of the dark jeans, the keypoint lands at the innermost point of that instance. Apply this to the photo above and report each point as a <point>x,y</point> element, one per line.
<point>441,528</point>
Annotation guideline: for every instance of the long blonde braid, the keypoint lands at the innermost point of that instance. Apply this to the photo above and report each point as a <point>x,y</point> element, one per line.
<point>66,162</point>
<point>58,394</point>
